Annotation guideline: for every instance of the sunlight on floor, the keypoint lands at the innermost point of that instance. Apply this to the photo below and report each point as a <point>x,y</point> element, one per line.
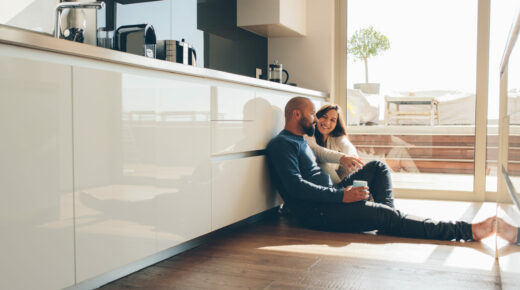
<point>469,259</point>
<point>472,255</point>
<point>415,253</point>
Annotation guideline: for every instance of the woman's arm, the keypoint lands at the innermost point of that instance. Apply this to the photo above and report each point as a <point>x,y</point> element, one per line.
<point>346,146</point>
<point>323,154</point>
<point>350,162</point>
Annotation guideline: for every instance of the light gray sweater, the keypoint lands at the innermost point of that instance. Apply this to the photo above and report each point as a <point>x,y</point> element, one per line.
<point>329,156</point>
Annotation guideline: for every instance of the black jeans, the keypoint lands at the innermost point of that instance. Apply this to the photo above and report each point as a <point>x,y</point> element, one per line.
<point>380,215</point>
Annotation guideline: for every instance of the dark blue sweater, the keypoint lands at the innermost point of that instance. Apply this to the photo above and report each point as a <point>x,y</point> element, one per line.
<point>296,174</point>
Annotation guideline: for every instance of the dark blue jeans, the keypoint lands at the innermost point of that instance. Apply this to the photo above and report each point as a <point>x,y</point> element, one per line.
<point>380,215</point>
<point>377,175</point>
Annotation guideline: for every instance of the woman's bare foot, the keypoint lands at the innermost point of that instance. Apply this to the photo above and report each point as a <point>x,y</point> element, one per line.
<point>507,231</point>
<point>484,228</point>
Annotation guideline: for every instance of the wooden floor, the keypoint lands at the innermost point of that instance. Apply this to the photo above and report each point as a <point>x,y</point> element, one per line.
<point>277,254</point>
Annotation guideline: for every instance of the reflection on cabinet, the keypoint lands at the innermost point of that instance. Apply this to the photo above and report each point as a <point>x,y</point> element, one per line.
<point>270,113</point>
<point>240,189</point>
<point>252,121</point>
<point>142,148</point>
<point>183,144</point>
<point>233,116</point>
<point>36,219</point>
<point>508,254</point>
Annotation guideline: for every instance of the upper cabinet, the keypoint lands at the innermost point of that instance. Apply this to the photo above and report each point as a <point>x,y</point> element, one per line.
<point>272,18</point>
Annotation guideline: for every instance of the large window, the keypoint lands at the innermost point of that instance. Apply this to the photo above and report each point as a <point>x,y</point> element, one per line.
<point>421,119</point>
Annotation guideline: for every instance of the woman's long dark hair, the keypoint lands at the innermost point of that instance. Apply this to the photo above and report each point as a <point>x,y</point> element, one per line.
<point>340,129</point>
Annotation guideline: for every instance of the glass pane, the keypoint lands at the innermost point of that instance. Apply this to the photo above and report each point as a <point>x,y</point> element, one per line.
<point>501,18</point>
<point>509,209</point>
<point>421,119</point>
<point>513,111</point>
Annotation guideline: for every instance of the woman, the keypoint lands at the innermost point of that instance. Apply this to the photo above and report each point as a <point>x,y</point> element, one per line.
<point>331,134</point>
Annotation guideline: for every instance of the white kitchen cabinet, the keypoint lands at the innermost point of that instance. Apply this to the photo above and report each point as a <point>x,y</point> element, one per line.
<point>241,188</point>
<point>270,108</point>
<point>36,204</point>
<point>182,158</point>
<point>233,119</point>
<point>142,173</point>
<point>113,172</point>
<point>245,119</point>
<point>272,18</point>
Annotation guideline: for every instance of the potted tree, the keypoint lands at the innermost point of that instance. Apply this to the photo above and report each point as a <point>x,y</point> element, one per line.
<point>366,43</point>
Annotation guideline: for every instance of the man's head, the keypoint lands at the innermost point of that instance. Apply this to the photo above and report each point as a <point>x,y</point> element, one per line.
<point>300,116</point>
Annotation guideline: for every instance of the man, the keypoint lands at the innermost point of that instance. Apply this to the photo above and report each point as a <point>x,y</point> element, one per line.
<point>309,194</point>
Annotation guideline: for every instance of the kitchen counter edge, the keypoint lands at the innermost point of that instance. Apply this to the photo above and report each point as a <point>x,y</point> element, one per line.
<point>29,39</point>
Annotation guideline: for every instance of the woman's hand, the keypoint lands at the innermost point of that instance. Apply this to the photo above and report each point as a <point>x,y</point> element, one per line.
<point>351,163</point>
<point>353,194</point>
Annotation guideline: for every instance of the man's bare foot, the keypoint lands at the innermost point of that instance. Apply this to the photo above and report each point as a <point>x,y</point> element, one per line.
<point>507,231</point>
<point>484,229</point>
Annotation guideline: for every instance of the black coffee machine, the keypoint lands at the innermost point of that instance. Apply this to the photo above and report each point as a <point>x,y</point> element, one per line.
<point>138,39</point>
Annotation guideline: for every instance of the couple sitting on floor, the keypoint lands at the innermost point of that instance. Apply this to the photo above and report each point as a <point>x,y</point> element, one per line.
<point>321,196</point>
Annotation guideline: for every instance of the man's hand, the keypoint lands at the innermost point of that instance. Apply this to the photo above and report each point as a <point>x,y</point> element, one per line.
<point>351,163</point>
<point>353,194</point>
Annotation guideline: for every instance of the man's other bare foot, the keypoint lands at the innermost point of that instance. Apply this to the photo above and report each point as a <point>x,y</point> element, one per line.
<point>484,229</point>
<point>507,231</point>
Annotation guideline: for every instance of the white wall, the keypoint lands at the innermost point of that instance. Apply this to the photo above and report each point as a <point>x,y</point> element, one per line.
<point>35,15</point>
<point>309,59</point>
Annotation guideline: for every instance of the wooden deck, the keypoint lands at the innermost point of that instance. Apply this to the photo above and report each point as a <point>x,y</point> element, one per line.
<point>277,254</point>
<point>448,153</point>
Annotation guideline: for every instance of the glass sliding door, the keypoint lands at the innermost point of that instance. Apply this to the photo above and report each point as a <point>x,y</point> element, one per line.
<point>500,23</point>
<point>411,101</point>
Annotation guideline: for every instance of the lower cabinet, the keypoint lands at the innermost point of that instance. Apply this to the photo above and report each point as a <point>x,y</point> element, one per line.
<point>240,189</point>
<point>104,164</point>
<point>141,165</point>
<point>36,202</point>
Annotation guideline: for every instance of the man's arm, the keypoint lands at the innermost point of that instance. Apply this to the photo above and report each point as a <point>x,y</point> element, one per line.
<point>283,158</point>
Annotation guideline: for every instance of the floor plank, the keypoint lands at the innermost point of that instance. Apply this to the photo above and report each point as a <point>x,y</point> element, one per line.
<point>277,254</point>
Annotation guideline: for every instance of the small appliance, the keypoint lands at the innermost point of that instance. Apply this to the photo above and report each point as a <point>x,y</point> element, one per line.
<point>177,51</point>
<point>275,71</point>
<point>138,39</point>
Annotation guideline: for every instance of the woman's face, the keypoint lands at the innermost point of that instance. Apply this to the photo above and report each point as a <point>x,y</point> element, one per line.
<point>327,122</point>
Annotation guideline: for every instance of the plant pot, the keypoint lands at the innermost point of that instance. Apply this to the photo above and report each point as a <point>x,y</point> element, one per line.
<point>368,88</point>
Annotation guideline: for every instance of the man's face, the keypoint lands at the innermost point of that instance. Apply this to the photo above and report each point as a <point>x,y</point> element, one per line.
<point>308,119</point>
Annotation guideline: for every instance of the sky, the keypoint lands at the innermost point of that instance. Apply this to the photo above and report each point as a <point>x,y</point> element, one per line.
<point>433,44</point>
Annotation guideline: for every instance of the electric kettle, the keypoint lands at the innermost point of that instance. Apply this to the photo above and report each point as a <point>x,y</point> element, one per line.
<point>275,71</point>
<point>177,51</point>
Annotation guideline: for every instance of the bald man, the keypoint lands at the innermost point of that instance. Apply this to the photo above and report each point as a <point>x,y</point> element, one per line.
<point>311,196</point>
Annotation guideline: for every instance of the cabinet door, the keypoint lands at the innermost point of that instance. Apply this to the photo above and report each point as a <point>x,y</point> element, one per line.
<point>36,206</point>
<point>113,171</point>
<point>270,108</point>
<point>233,119</point>
<point>240,189</point>
<point>182,158</point>
<point>142,175</point>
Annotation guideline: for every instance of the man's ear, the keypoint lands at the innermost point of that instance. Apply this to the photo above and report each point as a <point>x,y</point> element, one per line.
<point>297,114</point>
